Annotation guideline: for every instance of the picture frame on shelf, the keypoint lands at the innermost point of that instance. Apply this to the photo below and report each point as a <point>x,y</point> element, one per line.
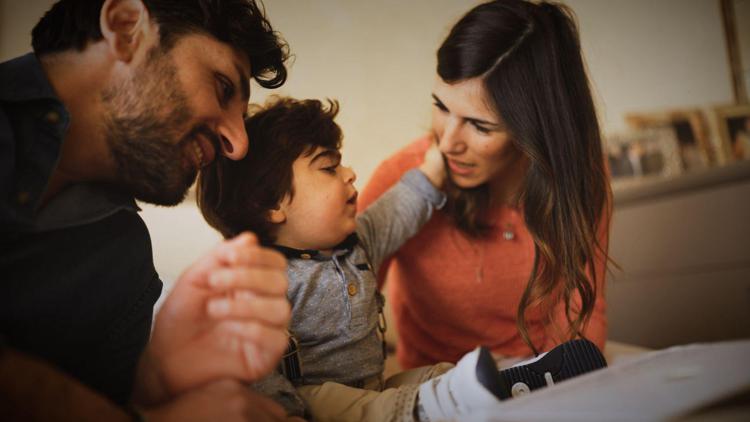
<point>733,125</point>
<point>690,129</point>
<point>637,153</point>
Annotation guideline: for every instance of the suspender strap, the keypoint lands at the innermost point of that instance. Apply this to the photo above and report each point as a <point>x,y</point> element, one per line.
<point>291,366</point>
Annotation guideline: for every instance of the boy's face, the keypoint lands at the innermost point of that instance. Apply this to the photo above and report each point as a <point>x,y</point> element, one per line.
<point>324,207</point>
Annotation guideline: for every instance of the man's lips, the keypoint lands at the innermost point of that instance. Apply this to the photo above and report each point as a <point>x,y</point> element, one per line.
<point>201,150</point>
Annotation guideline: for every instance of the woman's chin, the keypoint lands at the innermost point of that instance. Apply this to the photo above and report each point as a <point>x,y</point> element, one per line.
<point>464,182</point>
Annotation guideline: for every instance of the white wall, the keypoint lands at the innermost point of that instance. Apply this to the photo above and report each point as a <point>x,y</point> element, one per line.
<point>377,59</point>
<point>646,55</point>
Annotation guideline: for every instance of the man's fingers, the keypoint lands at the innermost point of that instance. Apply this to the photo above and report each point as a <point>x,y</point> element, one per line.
<point>247,402</point>
<point>260,346</point>
<point>244,250</point>
<point>245,304</point>
<point>263,281</point>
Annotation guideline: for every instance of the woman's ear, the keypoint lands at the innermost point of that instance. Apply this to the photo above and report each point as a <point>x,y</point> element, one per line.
<point>276,216</point>
<point>124,24</point>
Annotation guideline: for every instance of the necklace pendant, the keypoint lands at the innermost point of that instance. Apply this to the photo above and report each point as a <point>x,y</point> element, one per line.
<point>508,235</point>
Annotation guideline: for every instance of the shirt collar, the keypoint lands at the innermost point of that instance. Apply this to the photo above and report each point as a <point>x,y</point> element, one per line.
<point>290,253</point>
<point>23,79</point>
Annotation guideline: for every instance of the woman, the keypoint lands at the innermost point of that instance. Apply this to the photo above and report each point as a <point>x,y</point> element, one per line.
<point>508,262</point>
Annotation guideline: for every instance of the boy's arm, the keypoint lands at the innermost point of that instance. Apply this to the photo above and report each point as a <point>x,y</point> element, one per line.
<point>402,210</point>
<point>282,391</point>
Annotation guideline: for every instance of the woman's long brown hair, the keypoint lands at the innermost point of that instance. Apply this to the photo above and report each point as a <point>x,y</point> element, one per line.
<point>529,58</point>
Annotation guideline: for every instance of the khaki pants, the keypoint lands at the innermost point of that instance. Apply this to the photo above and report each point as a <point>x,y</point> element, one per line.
<point>393,403</point>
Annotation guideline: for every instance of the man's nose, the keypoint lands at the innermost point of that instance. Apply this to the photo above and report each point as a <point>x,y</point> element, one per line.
<point>234,142</point>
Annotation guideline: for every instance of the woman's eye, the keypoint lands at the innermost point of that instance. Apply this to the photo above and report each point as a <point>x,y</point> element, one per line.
<point>481,129</point>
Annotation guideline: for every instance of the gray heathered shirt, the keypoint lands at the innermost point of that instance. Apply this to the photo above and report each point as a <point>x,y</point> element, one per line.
<point>335,300</point>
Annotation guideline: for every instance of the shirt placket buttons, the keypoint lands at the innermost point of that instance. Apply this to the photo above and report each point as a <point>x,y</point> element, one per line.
<point>352,289</point>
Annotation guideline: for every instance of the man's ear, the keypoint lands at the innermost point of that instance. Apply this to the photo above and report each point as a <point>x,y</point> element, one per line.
<point>124,24</point>
<point>276,216</point>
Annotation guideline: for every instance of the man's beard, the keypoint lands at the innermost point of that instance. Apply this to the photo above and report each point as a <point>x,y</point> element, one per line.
<point>144,122</point>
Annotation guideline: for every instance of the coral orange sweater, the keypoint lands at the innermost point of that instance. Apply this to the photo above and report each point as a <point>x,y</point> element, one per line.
<point>450,293</point>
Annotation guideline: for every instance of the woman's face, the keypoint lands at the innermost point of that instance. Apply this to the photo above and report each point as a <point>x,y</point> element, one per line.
<point>472,137</point>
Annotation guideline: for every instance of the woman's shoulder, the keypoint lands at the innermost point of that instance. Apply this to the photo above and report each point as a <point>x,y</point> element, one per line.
<point>408,157</point>
<point>390,170</point>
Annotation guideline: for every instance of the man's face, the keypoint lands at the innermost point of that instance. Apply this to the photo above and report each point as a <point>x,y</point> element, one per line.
<point>179,110</point>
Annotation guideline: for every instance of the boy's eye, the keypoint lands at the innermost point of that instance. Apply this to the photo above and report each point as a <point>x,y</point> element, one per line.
<point>440,106</point>
<point>331,169</point>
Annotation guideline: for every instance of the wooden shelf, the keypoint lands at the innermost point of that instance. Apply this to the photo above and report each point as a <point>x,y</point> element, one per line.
<point>634,190</point>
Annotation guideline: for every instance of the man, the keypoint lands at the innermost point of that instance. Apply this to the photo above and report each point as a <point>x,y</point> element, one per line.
<point>128,99</point>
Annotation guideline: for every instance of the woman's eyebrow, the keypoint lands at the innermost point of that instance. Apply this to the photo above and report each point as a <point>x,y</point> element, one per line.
<point>470,119</point>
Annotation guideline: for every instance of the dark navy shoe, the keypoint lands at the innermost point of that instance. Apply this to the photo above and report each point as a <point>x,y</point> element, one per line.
<point>567,360</point>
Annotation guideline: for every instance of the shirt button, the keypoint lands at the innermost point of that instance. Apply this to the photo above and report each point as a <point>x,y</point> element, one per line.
<point>352,289</point>
<point>23,198</point>
<point>52,117</point>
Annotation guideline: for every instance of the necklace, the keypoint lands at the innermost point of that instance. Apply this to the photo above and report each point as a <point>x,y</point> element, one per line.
<point>479,248</point>
<point>508,232</point>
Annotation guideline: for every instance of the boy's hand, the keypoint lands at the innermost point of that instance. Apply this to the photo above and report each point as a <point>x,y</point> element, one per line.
<point>434,166</point>
<point>226,317</point>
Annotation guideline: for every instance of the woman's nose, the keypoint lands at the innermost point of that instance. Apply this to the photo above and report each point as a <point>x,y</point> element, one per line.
<point>449,142</point>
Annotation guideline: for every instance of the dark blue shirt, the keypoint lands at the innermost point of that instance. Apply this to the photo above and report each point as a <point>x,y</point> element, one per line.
<point>78,282</point>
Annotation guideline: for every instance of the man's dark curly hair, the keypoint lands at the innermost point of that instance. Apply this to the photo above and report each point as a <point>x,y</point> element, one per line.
<point>72,24</point>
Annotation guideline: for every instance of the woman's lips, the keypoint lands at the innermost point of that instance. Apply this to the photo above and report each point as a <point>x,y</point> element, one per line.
<point>460,168</point>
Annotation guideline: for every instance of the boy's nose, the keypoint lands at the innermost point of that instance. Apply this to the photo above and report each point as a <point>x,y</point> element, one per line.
<point>351,176</point>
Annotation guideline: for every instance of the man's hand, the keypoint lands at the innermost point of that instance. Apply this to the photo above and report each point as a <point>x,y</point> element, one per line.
<point>434,166</point>
<point>226,317</point>
<point>224,400</point>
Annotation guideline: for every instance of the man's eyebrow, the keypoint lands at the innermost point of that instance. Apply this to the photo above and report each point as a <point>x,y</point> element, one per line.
<point>244,83</point>
<point>328,153</point>
<point>471,119</point>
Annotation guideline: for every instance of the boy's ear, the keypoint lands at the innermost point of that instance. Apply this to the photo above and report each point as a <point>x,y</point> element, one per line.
<point>276,216</point>
<point>124,24</point>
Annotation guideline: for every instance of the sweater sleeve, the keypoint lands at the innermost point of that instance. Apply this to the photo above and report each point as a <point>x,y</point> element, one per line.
<point>398,215</point>
<point>387,174</point>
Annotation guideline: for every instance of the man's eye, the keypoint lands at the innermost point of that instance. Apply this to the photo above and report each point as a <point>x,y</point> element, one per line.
<point>226,89</point>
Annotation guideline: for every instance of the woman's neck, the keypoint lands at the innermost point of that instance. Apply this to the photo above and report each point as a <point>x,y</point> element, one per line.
<point>505,188</point>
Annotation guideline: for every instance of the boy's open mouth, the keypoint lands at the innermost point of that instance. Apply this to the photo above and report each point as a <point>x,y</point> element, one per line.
<point>353,198</point>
